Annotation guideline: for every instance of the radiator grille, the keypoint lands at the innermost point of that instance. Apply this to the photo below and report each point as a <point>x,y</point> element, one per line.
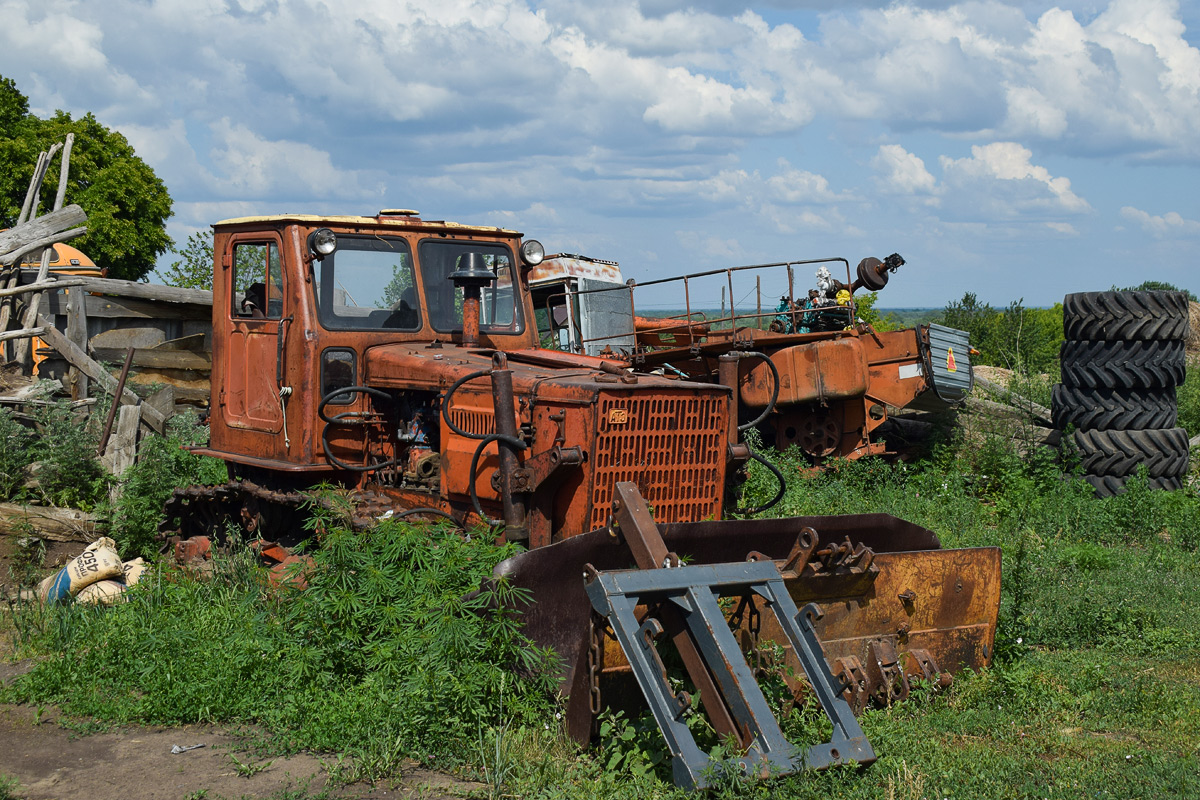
<point>672,447</point>
<point>473,421</point>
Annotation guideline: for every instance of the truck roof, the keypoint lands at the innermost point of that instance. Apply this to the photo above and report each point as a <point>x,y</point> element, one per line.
<point>400,219</point>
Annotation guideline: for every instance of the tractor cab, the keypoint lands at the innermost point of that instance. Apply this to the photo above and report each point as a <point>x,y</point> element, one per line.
<point>300,301</point>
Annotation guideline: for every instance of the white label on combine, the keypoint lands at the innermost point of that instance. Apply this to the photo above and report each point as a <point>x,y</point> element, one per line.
<point>910,371</point>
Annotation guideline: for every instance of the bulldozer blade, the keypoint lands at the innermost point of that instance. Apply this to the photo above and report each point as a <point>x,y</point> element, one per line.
<point>896,607</point>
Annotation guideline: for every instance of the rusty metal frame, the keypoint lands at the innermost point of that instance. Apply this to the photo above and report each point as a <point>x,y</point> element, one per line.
<point>733,317</point>
<point>687,601</point>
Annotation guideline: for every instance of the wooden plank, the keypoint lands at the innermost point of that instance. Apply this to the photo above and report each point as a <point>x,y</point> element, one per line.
<point>141,291</point>
<point>23,333</point>
<point>77,333</point>
<point>32,234</point>
<point>193,342</point>
<point>96,372</point>
<point>55,524</point>
<point>139,337</point>
<point>37,390</point>
<point>194,392</point>
<point>164,401</point>
<point>158,359</point>
<point>120,308</point>
<point>13,256</point>
<point>51,283</point>
<point>122,445</point>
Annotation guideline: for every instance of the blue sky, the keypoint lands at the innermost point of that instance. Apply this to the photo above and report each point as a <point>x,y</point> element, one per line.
<point>1016,150</point>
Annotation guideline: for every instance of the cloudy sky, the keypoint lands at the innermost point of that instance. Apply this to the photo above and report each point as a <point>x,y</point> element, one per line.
<point>1016,150</point>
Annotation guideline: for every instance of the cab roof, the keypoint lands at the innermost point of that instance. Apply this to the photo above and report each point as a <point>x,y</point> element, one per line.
<point>401,218</point>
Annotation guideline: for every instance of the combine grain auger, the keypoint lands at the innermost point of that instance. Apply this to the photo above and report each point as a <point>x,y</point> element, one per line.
<point>398,358</point>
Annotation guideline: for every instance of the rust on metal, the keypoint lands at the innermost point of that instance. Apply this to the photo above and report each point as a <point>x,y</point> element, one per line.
<point>367,367</point>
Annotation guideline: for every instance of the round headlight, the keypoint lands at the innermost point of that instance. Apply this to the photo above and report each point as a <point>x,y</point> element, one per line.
<point>532,252</point>
<point>322,242</point>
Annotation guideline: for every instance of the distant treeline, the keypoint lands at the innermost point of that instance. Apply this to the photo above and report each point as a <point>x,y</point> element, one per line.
<point>1016,337</point>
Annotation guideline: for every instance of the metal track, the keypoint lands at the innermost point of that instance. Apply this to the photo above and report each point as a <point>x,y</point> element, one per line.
<point>250,511</point>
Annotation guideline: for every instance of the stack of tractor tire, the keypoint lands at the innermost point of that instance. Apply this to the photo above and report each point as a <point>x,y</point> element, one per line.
<point>1121,361</point>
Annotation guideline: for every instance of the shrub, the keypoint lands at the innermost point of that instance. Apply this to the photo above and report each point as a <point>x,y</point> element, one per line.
<point>163,465</point>
<point>14,455</point>
<point>1188,395</point>
<point>389,645</point>
<point>69,473</point>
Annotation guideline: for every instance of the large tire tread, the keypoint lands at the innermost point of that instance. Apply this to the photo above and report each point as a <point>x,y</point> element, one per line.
<point>1112,316</point>
<point>1123,365</point>
<point>1119,453</point>
<point>1108,486</point>
<point>1112,409</point>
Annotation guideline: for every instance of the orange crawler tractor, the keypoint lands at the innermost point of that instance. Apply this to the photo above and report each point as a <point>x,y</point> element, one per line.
<point>399,358</point>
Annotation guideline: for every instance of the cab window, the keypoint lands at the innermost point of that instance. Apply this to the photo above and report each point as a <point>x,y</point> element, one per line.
<point>499,311</point>
<point>257,281</point>
<point>368,283</point>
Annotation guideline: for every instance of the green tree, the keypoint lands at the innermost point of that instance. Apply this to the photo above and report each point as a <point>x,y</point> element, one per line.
<point>864,306</point>
<point>194,268</point>
<point>1158,286</point>
<point>127,205</point>
<point>978,320</point>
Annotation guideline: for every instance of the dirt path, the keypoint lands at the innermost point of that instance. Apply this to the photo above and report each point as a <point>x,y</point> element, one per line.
<point>52,762</point>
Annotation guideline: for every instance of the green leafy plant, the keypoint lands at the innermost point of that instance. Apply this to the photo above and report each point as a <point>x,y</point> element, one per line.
<point>69,474</point>
<point>14,455</point>
<point>126,203</point>
<point>163,465</point>
<point>247,769</point>
<point>9,787</point>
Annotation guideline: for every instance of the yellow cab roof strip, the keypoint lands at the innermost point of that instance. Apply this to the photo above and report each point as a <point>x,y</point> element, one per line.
<point>398,222</point>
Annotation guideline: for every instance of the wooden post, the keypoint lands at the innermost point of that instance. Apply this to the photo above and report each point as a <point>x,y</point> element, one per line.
<point>24,347</point>
<point>758,293</point>
<point>77,333</point>
<point>14,277</point>
<point>122,448</point>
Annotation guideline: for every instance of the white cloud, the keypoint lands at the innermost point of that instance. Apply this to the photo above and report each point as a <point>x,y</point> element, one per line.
<point>1170,224</point>
<point>713,248</point>
<point>901,172</point>
<point>250,166</point>
<point>612,124</point>
<point>1000,182</point>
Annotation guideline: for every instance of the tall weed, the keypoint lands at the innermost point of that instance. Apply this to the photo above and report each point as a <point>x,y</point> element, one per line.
<point>69,474</point>
<point>387,637</point>
<point>14,455</point>
<point>163,465</point>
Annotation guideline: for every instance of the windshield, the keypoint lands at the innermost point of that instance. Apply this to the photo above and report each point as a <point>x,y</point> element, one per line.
<point>368,283</point>
<point>498,313</point>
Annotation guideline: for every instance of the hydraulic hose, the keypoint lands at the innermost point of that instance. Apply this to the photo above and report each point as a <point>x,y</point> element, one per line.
<point>347,390</point>
<point>774,391</point>
<point>339,419</point>
<point>778,494</point>
<point>508,441</point>
<point>483,373</point>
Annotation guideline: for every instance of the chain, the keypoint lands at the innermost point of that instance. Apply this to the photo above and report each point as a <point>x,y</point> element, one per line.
<point>595,659</point>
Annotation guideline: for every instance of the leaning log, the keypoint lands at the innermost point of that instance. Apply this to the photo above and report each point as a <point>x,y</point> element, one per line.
<point>40,232</point>
<point>94,370</point>
<point>1016,400</point>
<point>135,289</point>
<point>46,522</point>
